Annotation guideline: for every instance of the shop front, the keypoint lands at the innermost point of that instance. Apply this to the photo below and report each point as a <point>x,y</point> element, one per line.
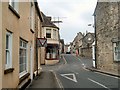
<point>52,52</point>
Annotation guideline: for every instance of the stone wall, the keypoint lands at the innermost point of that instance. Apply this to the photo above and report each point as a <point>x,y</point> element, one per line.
<point>86,52</point>
<point>106,29</point>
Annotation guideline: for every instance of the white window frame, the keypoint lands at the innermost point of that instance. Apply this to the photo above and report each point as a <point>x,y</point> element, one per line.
<point>14,4</point>
<point>8,62</point>
<point>26,48</point>
<point>49,33</point>
<point>116,49</point>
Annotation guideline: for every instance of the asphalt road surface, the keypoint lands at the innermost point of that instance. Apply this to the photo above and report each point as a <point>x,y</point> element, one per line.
<point>72,74</point>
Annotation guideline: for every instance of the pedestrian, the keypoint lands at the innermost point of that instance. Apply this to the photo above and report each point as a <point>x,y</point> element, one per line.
<point>76,52</point>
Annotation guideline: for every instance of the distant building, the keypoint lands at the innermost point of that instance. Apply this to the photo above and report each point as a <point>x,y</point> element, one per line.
<point>51,32</point>
<point>77,43</point>
<point>83,44</point>
<point>107,34</point>
<point>86,48</point>
<point>61,46</point>
<point>67,48</point>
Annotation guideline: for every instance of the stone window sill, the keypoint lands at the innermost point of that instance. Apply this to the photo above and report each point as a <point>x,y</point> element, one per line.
<point>13,10</point>
<point>10,70</point>
<point>23,78</point>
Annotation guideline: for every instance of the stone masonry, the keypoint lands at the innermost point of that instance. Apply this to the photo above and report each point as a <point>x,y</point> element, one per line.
<point>107,23</point>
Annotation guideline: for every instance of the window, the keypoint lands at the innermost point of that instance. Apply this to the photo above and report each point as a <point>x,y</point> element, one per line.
<point>8,63</point>
<point>14,4</point>
<point>116,51</point>
<point>48,33</point>
<point>23,57</point>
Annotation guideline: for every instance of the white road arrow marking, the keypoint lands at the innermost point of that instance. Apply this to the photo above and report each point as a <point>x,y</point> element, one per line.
<point>67,76</point>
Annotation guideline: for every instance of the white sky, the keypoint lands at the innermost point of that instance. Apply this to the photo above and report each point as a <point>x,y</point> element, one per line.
<point>75,14</point>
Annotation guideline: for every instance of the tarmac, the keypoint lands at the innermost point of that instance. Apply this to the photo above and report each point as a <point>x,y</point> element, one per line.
<point>46,79</point>
<point>93,69</point>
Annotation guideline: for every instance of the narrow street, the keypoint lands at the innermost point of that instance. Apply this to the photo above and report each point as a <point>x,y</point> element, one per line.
<point>71,73</point>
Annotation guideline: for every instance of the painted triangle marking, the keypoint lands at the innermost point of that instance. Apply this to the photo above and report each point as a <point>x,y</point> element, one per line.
<point>67,76</point>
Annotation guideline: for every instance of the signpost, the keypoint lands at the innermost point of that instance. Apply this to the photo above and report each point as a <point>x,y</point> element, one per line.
<point>41,42</point>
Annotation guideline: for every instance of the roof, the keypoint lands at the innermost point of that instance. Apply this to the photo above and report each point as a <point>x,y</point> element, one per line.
<point>38,10</point>
<point>47,22</point>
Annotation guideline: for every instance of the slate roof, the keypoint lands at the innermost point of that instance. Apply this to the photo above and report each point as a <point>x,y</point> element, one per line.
<point>46,22</point>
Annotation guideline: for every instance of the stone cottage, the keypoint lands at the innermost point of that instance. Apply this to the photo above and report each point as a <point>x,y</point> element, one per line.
<point>107,43</point>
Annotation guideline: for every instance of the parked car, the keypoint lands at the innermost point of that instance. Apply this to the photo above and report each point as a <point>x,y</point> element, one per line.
<point>68,53</point>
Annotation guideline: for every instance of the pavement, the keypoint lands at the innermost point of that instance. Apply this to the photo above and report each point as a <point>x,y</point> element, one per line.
<point>47,78</point>
<point>93,69</point>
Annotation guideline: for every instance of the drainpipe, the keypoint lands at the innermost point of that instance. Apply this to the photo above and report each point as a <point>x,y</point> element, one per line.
<point>95,42</point>
<point>37,56</point>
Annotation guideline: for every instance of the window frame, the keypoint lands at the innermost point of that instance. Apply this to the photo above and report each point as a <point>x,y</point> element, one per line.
<point>116,50</point>
<point>49,33</point>
<point>8,63</point>
<point>14,4</point>
<point>26,57</point>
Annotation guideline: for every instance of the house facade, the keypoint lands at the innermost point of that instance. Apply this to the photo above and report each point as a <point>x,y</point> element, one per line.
<point>107,36</point>
<point>61,46</point>
<point>82,44</point>
<point>17,34</point>
<point>77,43</point>
<point>86,48</point>
<point>51,32</point>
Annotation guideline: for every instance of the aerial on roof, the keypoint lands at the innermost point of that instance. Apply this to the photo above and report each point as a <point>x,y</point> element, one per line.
<point>47,22</point>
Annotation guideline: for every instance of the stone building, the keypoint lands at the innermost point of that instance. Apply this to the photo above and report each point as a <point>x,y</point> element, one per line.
<point>61,46</point>
<point>83,44</point>
<point>77,43</point>
<point>107,29</point>
<point>86,48</point>
<point>17,38</point>
<point>51,32</point>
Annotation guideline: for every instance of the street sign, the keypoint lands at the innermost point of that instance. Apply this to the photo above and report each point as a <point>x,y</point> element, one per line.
<point>41,42</point>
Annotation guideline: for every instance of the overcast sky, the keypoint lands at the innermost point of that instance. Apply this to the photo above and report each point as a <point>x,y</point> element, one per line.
<point>75,14</point>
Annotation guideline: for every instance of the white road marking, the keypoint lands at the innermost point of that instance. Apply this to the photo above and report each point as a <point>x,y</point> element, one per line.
<point>58,81</point>
<point>71,74</point>
<point>99,83</point>
<point>65,60</point>
<point>85,69</point>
